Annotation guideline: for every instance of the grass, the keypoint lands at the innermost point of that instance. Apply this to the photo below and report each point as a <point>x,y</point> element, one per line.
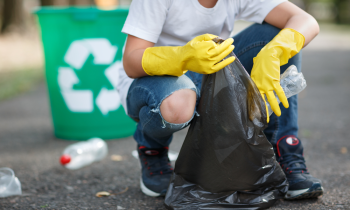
<point>44,206</point>
<point>16,82</point>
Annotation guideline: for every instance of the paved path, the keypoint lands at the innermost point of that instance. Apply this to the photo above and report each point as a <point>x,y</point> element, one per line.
<point>28,146</point>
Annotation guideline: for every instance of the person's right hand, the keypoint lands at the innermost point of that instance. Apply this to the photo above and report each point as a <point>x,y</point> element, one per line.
<point>204,56</point>
<point>200,55</point>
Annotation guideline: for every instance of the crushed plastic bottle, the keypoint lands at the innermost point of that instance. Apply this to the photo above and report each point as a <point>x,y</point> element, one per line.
<point>292,83</point>
<point>82,154</point>
<point>9,183</point>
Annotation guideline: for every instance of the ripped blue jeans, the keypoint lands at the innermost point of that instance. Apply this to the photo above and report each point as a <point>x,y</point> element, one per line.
<point>147,93</point>
<point>144,99</point>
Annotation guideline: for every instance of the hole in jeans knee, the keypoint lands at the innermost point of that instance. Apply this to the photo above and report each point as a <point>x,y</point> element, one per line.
<point>178,107</point>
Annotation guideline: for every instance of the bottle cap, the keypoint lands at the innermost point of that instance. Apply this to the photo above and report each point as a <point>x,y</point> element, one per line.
<point>65,159</point>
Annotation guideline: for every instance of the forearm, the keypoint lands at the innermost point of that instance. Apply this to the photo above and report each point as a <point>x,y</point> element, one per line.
<point>133,64</point>
<point>132,58</point>
<point>288,15</point>
<point>304,24</point>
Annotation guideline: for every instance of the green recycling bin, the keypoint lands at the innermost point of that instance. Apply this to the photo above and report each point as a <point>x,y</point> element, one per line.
<point>83,51</point>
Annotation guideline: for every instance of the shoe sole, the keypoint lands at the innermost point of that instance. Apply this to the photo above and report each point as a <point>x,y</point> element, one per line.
<point>313,192</point>
<point>147,191</point>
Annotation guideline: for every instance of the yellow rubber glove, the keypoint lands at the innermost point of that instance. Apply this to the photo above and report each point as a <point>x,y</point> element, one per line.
<point>200,55</point>
<point>266,68</point>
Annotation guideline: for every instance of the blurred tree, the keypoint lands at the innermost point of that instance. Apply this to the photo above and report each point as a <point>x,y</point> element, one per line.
<point>81,2</point>
<point>12,15</point>
<point>343,11</point>
<point>47,2</point>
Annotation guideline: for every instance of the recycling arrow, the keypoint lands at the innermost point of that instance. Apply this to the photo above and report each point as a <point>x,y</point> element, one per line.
<point>76,56</point>
<point>107,100</point>
<point>100,48</point>
<point>76,100</point>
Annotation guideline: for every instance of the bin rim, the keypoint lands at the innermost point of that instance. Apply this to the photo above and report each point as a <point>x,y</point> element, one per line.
<point>75,10</point>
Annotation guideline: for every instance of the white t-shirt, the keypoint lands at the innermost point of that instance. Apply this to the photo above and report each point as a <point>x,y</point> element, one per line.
<point>176,22</point>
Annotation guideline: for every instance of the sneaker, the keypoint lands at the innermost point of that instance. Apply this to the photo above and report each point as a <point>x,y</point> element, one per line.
<point>156,171</point>
<point>301,183</point>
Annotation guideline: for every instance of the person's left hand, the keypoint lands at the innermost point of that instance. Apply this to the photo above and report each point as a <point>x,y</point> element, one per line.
<point>266,68</point>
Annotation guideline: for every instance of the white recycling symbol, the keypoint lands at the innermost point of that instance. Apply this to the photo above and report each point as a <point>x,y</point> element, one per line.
<point>76,55</point>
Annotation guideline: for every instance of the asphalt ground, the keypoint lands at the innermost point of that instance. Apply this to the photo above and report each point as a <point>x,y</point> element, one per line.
<point>27,145</point>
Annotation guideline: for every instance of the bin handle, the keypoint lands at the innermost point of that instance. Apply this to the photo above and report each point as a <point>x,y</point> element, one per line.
<point>85,16</point>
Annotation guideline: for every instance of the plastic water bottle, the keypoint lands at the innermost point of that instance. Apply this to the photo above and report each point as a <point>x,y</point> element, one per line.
<point>9,183</point>
<point>82,154</point>
<point>292,83</point>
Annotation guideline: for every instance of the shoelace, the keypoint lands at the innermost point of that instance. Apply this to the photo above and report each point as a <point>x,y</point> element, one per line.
<point>158,164</point>
<point>289,162</point>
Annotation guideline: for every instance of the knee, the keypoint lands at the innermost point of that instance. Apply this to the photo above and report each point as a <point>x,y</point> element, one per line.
<point>178,108</point>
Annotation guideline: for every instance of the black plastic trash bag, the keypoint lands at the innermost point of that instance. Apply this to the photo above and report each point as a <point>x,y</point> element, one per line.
<point>226,160</point>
